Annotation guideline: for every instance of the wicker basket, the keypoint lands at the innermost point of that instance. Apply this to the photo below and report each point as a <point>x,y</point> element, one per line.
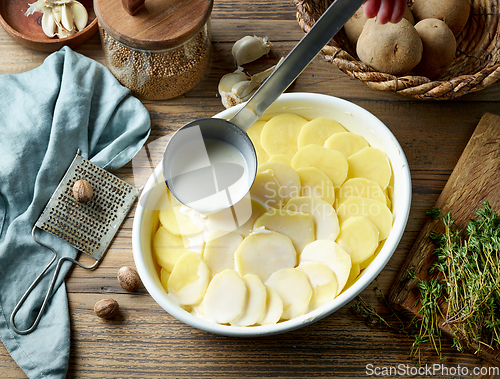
<point>476,65</point>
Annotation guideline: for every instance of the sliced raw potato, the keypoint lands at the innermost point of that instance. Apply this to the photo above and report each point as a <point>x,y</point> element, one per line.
<point>189,279</point>
<point>280,158</point>
<point>257,210</point>
<point>370,163</point>
<point>325,217</point>
<point>286,177</point>
<point>168,248</point>
<point>331,162</point>
<point>294,289</point>
<point>353,276</point>
<point>263,253</point>
<point>361,235</point>
<point>256,302</point>
<point>373,210</point>
<point>315,183</point>
<point>225,297</point>
<point>323,282</point>
<point>330,254</point>
<point>173,219</point>
<point>367,262</point>
<point>266,190</point>
<point>347,143</point>
<point>164,275</point>
<point>219,250</point>
<point>254,133</point>
<point>318,130</point>
<point>274,308</point>
<point>297,226</point>
<point>360,187</point>
<point>279,135</point>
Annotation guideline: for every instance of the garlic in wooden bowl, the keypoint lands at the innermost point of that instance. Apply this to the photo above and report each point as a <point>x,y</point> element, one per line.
<point>61,18</point>
<point>308,247</point>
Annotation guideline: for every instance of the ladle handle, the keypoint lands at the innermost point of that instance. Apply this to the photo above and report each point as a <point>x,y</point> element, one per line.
<point>296,61</point>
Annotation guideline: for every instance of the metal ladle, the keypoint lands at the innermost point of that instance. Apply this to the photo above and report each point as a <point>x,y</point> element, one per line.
<point>211,186</point>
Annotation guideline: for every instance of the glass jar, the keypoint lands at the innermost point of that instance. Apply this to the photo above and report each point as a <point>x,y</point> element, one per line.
<point>161,51</point>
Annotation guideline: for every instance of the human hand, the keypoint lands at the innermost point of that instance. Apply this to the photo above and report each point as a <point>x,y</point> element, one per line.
<point>385,10</point>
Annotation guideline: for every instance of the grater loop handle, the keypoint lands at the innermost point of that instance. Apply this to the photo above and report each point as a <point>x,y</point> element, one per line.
<point>37,280</point>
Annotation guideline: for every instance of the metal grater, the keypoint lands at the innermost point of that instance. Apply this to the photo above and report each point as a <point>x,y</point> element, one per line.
<point>88,227</point>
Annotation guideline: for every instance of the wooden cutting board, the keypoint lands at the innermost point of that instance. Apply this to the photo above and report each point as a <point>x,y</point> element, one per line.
<point>475,179</point>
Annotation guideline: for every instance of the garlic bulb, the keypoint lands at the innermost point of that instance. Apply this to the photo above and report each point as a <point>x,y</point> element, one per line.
<point>250,48</point>
<point>61,18</point>
<point>238,87</point>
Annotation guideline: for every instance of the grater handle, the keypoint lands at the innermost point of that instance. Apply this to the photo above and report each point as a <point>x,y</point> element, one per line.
<point>35,283</point>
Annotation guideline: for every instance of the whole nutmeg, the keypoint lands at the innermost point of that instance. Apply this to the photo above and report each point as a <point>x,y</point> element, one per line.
<point>82,191</point>
<point>106,308</point>
<point>128,278</point>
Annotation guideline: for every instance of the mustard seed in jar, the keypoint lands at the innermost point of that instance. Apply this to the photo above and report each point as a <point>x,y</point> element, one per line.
<point>160,52</point>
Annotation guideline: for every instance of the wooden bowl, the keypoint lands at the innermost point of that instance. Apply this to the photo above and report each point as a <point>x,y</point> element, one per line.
<point>28,32</point>
<point>476,65</point>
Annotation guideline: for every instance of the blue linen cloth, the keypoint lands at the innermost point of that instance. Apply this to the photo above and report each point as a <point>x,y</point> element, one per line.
<point>46,114</point>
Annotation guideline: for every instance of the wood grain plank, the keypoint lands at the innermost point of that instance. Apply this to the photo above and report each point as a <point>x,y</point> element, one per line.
<point>473,181</point>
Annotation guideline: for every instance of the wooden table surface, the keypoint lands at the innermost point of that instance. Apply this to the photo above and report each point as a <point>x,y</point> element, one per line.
<point>146,342</point>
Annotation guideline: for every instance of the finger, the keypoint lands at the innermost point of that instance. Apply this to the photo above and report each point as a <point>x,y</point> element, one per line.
<point>385,12</point>
<point>398,11</point>
<point>371,7</point>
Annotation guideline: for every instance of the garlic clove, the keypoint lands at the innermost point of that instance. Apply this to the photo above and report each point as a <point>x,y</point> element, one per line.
<point>66,17</point>
<point>229,80</point>
<point>244,88</point>
<point>62,32</point>
<point>48,23</point>
<point>249,49</point>
<point>80,15</point>
<point>56,11</point>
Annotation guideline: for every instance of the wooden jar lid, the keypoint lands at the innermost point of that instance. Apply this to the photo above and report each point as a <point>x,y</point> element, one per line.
<point>154,24</point>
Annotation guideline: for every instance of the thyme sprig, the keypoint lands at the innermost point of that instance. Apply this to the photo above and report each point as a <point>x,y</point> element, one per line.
<point>465,276</point>
<point>470,270</point>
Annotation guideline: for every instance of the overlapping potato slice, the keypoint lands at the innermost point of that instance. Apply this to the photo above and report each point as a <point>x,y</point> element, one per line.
<point>330,254</point>
<point>167,248</point>
<point>360,187</point>
<point>254,133</point>
<point>279,135</point>
<point>219,250</point>
<point>280,158</point>
<point>266,190</point>
<point>361,236</point>
<point>353,276</point>
<point>286,177</point>
<point>370,163</point>
<point>315,183</point>
<point>257,210</point>
<point>317,131</point>
<point>294,289</point>
<point>325,217</point>
<point>255,306</point>
<point>225,297</point>
<point>263,253</point>
<point>331,162</point>
<point>274,308</point>
<point>323,282</point>
<point>347,143</point>
<point>173,219</point>
<point>164,275</point>
<point>373,210</point>
<point>189,279</point>
<point>297,226</point>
